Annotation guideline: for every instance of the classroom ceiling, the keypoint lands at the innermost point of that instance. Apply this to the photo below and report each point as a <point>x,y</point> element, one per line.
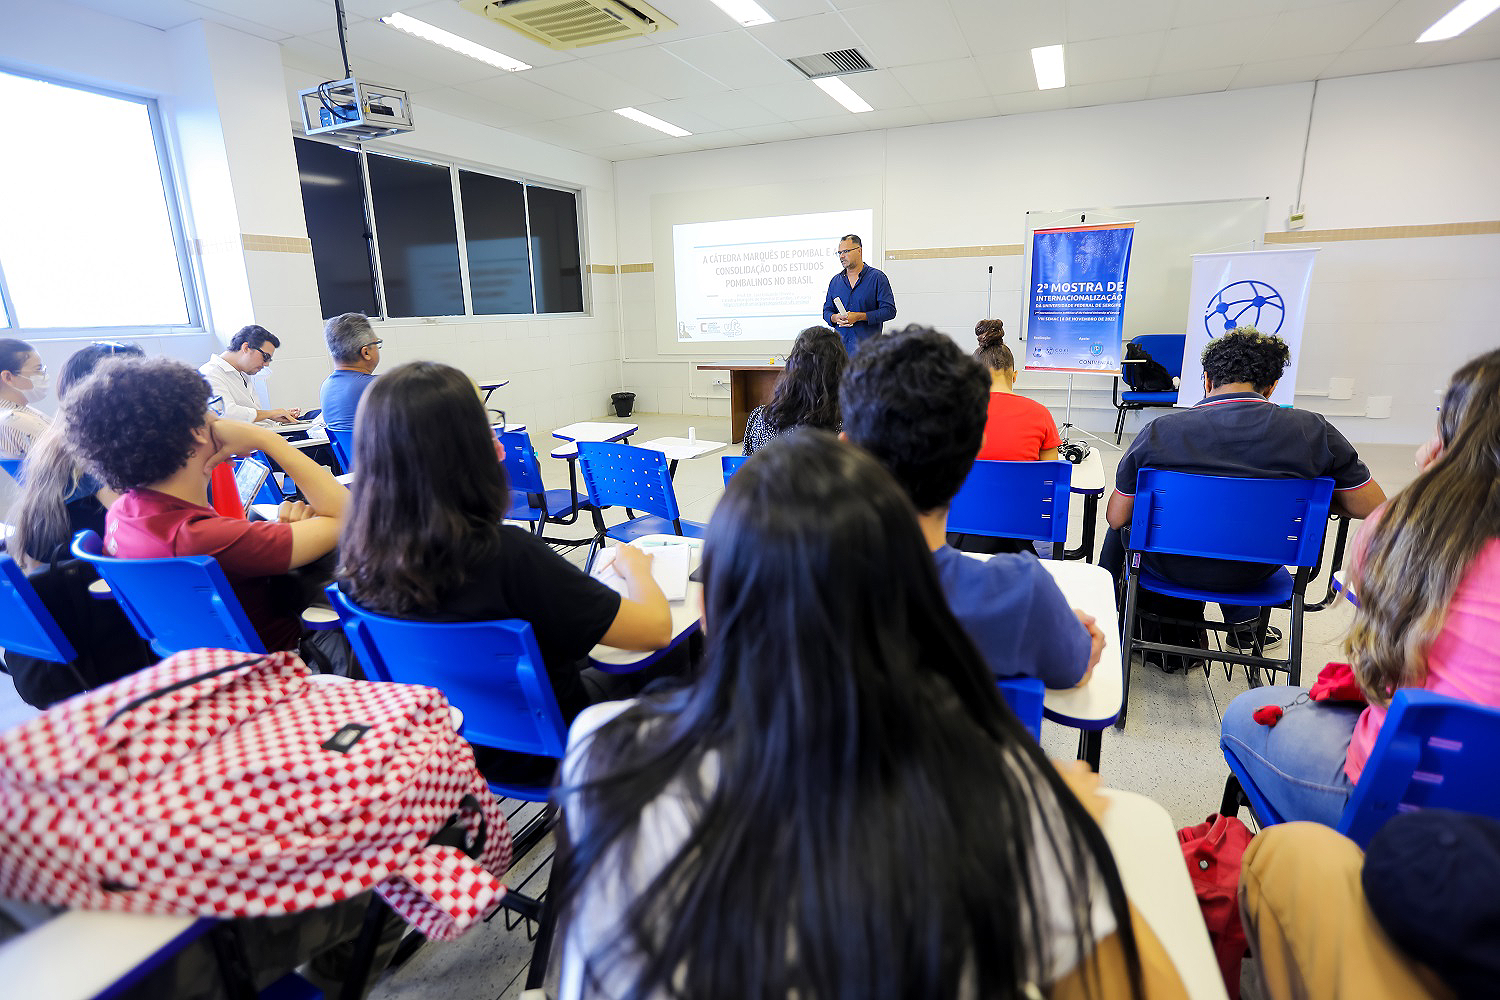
<point>936,60</point>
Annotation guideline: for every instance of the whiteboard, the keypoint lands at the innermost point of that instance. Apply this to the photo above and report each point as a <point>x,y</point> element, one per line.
<point>1161,261</point>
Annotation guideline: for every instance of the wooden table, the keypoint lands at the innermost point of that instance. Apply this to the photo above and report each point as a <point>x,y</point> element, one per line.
<point>750,385</point>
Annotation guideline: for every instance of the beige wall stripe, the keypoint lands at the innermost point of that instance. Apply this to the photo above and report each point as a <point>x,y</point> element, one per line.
<point>601,269</point>
<point>942,253</point>
<point>276,244</point>
<point>1488,228</point>
<point>636,268</point>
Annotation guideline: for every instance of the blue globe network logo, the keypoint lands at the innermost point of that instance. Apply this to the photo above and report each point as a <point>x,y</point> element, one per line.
<point>1245,303</point>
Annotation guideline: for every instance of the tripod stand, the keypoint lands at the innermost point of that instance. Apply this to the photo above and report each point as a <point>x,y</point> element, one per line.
<point>1074,449</point>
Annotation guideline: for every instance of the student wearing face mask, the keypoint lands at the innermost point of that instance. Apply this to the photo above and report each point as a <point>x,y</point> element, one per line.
<point>23,382</point>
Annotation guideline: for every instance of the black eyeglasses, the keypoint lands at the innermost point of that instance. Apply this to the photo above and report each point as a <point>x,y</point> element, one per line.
<point>850,250</point>
<point>375,343</point>
<point>263,354</point>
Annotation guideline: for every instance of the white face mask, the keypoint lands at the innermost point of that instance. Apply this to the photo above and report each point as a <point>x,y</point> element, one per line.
<point>38,390</point>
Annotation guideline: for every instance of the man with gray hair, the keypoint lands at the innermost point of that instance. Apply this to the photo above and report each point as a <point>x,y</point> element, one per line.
<point>356,354</point>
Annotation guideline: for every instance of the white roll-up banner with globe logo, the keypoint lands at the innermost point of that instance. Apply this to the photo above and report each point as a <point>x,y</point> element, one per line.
<point>1266,289</point>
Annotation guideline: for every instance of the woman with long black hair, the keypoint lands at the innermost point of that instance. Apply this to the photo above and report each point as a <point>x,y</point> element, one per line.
<point>841,806</point>
<point>806,393</point>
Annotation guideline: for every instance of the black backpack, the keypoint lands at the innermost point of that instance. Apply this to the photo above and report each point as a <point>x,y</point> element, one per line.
<point>107,644</point>
<point>1148,376</point>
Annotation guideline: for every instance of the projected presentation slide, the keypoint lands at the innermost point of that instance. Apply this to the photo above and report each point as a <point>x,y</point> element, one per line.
<point>758,279</point>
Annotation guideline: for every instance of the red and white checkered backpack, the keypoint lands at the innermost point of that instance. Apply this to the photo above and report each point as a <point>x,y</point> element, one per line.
<point>228,784</point>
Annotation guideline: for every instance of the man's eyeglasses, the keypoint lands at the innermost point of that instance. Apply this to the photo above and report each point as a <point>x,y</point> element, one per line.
<point>263,354</point>
<point>850,250</point>
<point>375,343</point>
<point>216,404</point>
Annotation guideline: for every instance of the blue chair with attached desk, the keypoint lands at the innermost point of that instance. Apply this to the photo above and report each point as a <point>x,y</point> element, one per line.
<point>636,479</point>
<point>732,465</point>
<point>1433,752</point>
<point>1166,350</point>
<point>342,443</point>
<point>1025,697</point>
<point>1277,522</point>
<point>11,467</point>
<point>530,499</point>
<point>1027,500</point>
<point>26,626</point>
<point>176,603</point>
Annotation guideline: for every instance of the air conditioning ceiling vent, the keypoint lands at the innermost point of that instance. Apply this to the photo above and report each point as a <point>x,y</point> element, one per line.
<point>572,24</point>
<point>822,64</point>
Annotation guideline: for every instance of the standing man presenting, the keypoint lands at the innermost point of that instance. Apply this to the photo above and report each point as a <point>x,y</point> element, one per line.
<point>228,375</point>
<point>865,293</point>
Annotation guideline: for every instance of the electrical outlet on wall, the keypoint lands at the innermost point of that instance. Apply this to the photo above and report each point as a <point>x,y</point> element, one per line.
<point>1296,217</point>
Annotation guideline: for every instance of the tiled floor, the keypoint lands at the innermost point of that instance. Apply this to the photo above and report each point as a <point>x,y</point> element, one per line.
<point>1169,751</point>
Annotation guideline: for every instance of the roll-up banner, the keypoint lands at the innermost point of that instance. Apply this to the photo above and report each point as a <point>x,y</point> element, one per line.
<point>1076,311</point>
<point>1266,289</point>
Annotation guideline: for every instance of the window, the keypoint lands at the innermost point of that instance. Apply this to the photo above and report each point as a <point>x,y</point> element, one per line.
<point>444,240</point>
<point>89,235</point>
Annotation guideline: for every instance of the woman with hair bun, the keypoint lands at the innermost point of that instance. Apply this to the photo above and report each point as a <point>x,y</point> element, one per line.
<point>1018,429</point>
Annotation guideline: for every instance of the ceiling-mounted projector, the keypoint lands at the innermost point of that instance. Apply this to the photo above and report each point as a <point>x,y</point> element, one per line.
<point>349,109</point>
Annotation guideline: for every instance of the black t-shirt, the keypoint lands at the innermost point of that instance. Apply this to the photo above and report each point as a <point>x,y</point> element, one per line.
<point>569,611</point>
<point>1245,435</point>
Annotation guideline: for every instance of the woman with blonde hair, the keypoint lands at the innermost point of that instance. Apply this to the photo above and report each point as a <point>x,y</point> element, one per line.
<point>1426,568</point>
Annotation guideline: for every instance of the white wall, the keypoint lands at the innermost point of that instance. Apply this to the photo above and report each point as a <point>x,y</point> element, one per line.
<point>1397,315</point>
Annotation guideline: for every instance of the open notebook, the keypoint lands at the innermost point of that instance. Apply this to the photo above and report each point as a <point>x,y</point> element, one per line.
<point>669,567</point>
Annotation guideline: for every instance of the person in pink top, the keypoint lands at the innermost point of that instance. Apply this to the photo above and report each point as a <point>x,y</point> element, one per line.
<point>1427,572</point>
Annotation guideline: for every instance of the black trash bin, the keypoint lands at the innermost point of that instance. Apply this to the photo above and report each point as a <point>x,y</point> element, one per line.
<point>624,403</point>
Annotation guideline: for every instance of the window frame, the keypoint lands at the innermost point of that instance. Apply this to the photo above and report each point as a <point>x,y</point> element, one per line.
<point>454,166</point>
<point>187,272</point>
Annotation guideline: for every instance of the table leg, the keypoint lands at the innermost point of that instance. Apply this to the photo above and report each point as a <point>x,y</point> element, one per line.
<point>1085,551</point>
<point>1089,743</point>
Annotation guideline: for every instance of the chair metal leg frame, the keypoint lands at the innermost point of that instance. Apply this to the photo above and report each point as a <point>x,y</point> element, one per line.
<point>1234,797</point>
<point>1340,540</point>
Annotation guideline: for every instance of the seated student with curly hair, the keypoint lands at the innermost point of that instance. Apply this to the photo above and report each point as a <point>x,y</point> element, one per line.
<point>146,430</point>
<point>1235,430</point>
<point>806,394</point>
<point>916,402</point>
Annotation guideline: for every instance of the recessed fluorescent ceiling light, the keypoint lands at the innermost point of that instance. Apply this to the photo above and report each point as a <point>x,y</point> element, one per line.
<point>747,12</point>
<point>457,43</point>
<point>1459,19</point>
<point>1048,60</point>
<point>839,91</point>
<point>653,122</point>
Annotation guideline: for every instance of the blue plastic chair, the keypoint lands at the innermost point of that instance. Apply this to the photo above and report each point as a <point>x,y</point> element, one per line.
<point>1433,752</point>
<point>1015,500</point>
<point>1165,349</point>
<point>1024,696</point>
<point>12,467</point>
<point>492,671</point>
<point>732,465</point>
<point>1280,522</point>
<point>26,626</point>
<point>530,498</point>
<point>342,443</point>
<point>177,603</point>
<point>636,479</point>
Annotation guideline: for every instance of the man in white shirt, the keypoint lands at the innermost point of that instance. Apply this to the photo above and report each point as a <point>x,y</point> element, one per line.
<point>229,374</point>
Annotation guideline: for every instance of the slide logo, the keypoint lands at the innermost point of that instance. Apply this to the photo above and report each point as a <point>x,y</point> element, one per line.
<point>1244,303</point>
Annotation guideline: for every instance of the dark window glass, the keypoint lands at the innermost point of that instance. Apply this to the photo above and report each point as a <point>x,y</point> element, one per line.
<point>418,237</point>
<point>495,235</point>
<point>333,201</point>
<point>555,257</point>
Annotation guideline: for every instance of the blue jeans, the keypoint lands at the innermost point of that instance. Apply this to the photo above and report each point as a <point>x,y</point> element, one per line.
<point>1298,764</point>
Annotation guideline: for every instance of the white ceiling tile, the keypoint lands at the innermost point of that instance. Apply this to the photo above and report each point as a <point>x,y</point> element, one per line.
<point>1201,81</point>
<point>1008,73</point>
<point>1089,19</point>
<point>994,27</point>
<point>1403,22</point>
<point>773,133</point>
<point>657,70</point>
<point>1357,62</point>
<point>1277,71</point>
<point>1318,30</point>
<point>1468,47</point>
<point>957,111</point>
<point>1033,100</point>
<point>372,43</point>
<point>291,17</point>
<point>160,14</point>
<point>608,128</point>
<point>449,16</point>
<point>937,82</point>
<point>1209,46</point>
<point>843,124</point>
<point>1123,57</point>
<point>880,89</point>
<point>587,83</point>
<point>475,108</point>
<point>676,113</point>
<point>556,133</point>
<point>1088,95</point>
<point>786,10</point>
<point>513,89</point>
<point>794,102</point>
<point>806,35</point>
<point>734,59</point>
<point>638,150</point>
<point>718,111</point>
<point>1190,12</point>
<point>899,34</point>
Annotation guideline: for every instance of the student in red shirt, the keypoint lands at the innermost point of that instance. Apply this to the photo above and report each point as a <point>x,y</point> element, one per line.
<point>1018,429</point>
<point>146,430</point>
